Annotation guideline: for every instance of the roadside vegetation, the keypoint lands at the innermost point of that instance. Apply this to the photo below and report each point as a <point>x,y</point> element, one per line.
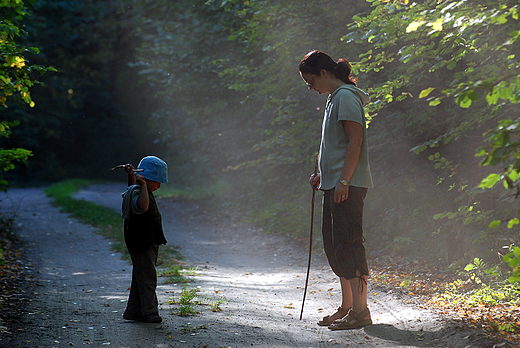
<point>471,297</point>
<point>178,275</point>
<point>108,222</point>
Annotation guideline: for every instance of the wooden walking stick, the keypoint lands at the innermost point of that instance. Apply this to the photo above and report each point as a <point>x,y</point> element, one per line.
<point>310,238</point>
<point>122,166</point>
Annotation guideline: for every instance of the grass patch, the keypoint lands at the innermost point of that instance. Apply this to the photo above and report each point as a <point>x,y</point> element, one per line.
<point>174,276</point>
<point>108,222</point>
<point>177,275</point>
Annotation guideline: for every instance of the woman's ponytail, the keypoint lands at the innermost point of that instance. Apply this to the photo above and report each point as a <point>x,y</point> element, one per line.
<point>315,61</point>
<point>343,70</point>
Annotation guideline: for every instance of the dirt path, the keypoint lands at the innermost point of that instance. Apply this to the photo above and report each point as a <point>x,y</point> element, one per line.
<point>77,288</point>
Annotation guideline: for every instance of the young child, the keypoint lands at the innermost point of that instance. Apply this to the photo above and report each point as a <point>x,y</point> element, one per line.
<point>143,235</point>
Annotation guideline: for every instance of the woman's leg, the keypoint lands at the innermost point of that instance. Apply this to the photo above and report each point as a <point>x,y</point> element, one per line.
<point>359,294</point>
<point>346,293</point>
<point>350,258</point>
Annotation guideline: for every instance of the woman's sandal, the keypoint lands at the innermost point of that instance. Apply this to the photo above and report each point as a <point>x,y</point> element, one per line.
<point>326,322</point>
<point>352,321</point>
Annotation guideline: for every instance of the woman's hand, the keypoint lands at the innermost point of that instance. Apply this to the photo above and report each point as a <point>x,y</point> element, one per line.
<point>340,193</point>
<point>315,181</point>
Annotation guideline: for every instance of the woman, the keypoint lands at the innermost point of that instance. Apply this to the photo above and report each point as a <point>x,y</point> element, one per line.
<point>344,177</point>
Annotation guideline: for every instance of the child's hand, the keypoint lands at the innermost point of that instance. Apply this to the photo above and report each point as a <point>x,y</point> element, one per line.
<point>129,169</point>
<point>140,180</point>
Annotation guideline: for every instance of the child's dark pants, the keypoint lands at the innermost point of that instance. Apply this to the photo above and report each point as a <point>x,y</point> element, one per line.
<point>143,300</point>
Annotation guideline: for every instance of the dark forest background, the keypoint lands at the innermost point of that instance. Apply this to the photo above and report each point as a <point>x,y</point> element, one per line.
<point>213,88</point>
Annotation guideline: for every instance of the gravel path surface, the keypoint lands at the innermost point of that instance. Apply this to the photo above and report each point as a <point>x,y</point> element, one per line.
<point>77,287</point>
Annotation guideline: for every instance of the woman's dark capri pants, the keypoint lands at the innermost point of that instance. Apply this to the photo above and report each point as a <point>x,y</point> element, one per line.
<point>343,233</point>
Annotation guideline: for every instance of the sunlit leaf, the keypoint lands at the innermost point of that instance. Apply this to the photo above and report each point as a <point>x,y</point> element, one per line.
<point>494,223</point>
<point>414,26</point>
<point>425,92</point>
<point>511,223</point>
<point>489,181</point>
<point>437,25</point>
<point>435,102</point>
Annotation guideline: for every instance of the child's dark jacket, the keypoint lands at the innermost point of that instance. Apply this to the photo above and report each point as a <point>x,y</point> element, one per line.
<point>144,230</point>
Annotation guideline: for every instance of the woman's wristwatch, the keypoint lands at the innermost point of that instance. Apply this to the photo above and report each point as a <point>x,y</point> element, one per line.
<point>344,182</point>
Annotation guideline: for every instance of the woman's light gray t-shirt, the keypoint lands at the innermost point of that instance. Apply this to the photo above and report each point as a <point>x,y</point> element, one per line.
<point>344,104</point>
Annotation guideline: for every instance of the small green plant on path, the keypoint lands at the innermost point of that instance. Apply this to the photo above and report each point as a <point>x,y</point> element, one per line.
<point>215,306</point>
<point>186,302</point>
<point>190,298</point>
<point>189,329</point>
<point>186,310</point>
<point>188,295</point>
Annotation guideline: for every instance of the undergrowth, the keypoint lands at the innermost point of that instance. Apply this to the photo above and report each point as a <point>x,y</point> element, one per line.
<point>7,236</point>
<point>475,295</point>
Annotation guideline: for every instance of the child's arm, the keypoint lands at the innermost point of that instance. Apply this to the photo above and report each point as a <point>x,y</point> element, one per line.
<point>131,174</point>
<point>142,200</point>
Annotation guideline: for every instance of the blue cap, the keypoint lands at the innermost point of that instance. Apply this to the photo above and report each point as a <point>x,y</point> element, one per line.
<point>154,169</point>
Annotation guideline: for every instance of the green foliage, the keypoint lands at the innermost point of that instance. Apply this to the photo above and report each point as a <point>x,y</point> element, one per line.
<point>513,260</point>
<point>479,288</point>
<point>449,52</point>
<point>89,116</point>
<point>465,214</point>
<point>457,63</point>
<point>9,157</point>
<point>483,294</point>
<point>16,77</point>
